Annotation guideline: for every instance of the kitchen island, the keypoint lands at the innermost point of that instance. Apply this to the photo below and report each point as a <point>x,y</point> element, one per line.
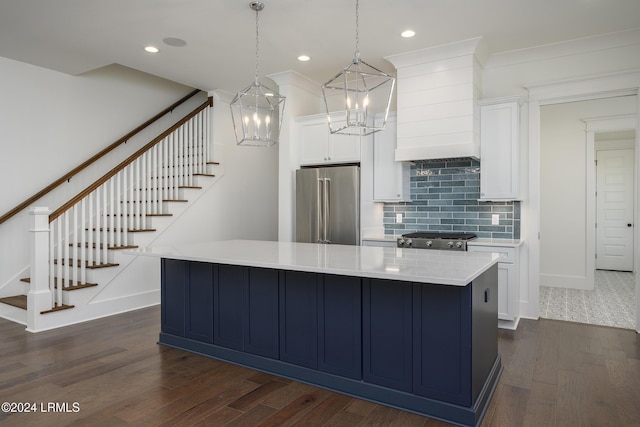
<point>412,329</point>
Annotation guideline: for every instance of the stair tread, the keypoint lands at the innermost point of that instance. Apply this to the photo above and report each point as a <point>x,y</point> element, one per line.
<point>57,308</point>
<point>86,245</point>
<point>147,214</point>
<point>19,301</point>
<point>163,200</point>
<point>89,266</point>
<point>71,287</point>
<point>129,230</point>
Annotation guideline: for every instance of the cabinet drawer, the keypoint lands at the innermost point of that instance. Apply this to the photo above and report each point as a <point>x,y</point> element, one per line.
<point>508,254</point>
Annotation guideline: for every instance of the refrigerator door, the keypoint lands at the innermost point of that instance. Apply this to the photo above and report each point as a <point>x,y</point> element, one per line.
<point>309,196</point>
<point>341,193</point>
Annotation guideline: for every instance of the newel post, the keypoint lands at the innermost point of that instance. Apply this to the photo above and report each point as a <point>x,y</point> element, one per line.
<point>39,295</point>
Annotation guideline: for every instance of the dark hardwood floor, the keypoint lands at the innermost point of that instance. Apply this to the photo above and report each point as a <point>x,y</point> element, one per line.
<point>555,374</point>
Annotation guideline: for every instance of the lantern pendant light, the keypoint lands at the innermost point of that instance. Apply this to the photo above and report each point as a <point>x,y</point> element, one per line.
<point>363,93</point>
<point>257,110</point>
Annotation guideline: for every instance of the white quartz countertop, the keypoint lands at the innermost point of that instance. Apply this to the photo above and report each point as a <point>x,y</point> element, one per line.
<point>413,265</point>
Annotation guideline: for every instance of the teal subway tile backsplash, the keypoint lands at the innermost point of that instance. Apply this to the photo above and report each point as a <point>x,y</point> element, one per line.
<point>444,197</point>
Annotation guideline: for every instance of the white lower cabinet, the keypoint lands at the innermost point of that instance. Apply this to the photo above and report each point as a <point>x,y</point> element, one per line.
<point>508,288</point>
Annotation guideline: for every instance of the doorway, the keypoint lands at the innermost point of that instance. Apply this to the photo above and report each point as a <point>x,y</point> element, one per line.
<point>573,283</point>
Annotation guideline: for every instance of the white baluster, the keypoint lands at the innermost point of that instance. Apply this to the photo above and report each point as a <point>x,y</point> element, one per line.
<point>60,242</point>
<point>117,201</point>
<point>188,160</point>
<point>105,224</point>
<point>83,241</point>
<point>126,183</point>
<point>67,254</point>
<point>136,201</point>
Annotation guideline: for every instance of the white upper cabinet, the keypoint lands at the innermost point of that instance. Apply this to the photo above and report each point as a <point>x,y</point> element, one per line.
<point>390,178</point>
<point>316,146</point>
<point>500,150</point>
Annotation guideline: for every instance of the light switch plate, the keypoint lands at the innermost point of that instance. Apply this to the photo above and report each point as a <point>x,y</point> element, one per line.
<point>399,218</point>
<point>495,219</point>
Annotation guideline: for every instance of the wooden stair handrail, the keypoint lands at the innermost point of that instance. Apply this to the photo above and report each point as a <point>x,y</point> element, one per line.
<point>93,159</point>
<point>62,209</point>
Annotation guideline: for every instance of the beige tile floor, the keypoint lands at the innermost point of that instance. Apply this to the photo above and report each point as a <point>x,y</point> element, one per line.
<point>611,303</point>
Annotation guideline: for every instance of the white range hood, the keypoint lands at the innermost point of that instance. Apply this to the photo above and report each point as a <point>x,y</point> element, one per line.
<point>437,101</point>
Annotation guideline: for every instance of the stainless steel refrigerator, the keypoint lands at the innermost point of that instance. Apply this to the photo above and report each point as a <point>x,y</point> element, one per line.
<point>328,205</point>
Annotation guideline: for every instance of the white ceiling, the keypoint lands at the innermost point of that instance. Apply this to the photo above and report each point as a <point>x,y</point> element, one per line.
<point>76,36</point>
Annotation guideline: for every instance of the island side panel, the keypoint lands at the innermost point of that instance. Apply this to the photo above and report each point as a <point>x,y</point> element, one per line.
<point>260,334</point>
<point>230,283</point>
<point>299,318</point>
<point>442,343</point>
<point>340,326</point>
<point>174,277</point>
<point>387,341</point>
<point>199,301</point>
<point>485,327</point>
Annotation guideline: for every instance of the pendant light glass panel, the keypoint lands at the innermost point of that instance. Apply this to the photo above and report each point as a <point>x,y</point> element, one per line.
<point>257,110</point>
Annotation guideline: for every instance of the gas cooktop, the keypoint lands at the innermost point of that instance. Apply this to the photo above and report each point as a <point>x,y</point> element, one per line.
<point>436,240</point>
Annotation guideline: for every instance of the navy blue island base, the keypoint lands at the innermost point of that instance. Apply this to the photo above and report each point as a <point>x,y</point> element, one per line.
<point>426,348</point>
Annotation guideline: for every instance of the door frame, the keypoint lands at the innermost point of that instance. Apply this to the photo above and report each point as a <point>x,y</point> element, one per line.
<point>592,128</point>
<point>583,89</point>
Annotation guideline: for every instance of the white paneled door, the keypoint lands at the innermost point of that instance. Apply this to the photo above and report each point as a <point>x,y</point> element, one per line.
<point>614,214</point>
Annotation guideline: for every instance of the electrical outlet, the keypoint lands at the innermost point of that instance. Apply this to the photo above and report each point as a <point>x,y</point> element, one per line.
<point>495,219</point>
<point>399,218</point>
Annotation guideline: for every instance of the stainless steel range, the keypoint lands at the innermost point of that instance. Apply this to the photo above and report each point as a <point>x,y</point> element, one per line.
<point>436,240</point>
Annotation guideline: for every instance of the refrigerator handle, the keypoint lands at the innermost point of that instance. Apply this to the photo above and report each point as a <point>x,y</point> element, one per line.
<point>327,210</point>
<point>320,212</point>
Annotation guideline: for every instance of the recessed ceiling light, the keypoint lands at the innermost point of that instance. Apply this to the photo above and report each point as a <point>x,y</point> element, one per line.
<point>408,33</point>
<point>151,49</point>
<point>303,58</point>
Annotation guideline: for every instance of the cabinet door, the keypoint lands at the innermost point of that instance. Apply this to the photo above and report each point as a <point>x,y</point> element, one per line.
<point>174,279</point>
<point>261,313</point>
<point>313,141</point>
<point>344,148</point>
<point>386,328</point>
<point>499,151</point>
<point>199,316</point>
<point>390,178</point>
<point>299,318</point>
<point>229,284</point>
<point>339,326</point>
<point>506,280</point>
<point>442,321</point>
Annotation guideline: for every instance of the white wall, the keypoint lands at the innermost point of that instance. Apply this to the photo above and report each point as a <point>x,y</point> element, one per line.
<point>563,205</point>
<point>243,204</point>
<point>51,122</point>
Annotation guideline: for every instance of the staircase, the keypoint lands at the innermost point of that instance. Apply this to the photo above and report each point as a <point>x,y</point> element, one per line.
<point>77,250</point>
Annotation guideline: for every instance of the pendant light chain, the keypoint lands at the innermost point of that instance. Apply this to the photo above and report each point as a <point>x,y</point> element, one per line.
<point>357,54</point>
<point>257,44</point>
